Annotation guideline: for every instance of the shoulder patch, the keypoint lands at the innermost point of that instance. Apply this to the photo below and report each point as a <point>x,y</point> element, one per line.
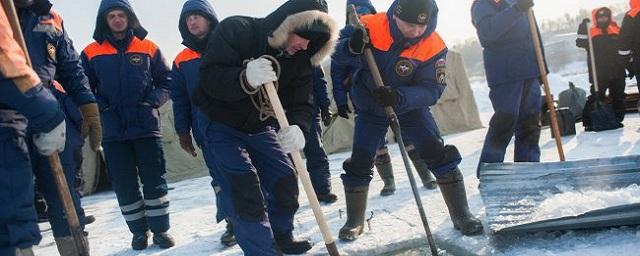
<point>404,68</point>
<point>51,51</point>
<point>441,71</point>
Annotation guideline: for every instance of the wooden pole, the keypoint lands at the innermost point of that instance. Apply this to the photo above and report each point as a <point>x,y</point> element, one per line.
<point>303,174</point>
<point>395,127</point>
<point>555,128</point>
<point>54,159</point>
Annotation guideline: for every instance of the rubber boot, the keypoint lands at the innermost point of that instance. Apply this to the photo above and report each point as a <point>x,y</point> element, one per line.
<point>228,238</point>
<point>24,252</point>
<point>288,245</point>
<point>455,196</point>
<point>67,246</point>
<point>327,198</point>
<point>385,170</point>
<point>428,181</point>
<point>140,241</point>
<point>163,240</point>
<point>356,198</point>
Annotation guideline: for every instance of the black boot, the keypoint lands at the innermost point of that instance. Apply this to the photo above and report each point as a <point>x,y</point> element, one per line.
<point>327,198</point>
<point>428,181</point>
<point>41,208</point>
<point>88,219</point>
<point>356,198</point>
<point>228,238</point>
<point>288,245</point>
<point>454,194</point>
<point>163,240</point>
<point>140,241</point>
<point>385,170</point>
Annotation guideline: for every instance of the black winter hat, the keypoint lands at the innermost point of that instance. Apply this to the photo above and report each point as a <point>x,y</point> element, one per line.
<point>414,11</point>
<point>317,32</point>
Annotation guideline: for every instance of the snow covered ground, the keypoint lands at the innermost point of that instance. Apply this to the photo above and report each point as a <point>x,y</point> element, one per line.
<point>395,225</point>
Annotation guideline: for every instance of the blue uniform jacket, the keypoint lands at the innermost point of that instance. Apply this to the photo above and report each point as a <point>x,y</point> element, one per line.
<point>129,77</point>
<point>53,55</point>
<point>320,94</point>
<point>415,68</point>
<point>504,33</point>
<point>185,72</point>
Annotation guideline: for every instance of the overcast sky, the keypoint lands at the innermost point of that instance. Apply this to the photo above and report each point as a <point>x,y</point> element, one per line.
<point>160,16</point>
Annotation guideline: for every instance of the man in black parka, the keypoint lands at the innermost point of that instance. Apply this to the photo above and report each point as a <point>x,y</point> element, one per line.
<point>256,175</point>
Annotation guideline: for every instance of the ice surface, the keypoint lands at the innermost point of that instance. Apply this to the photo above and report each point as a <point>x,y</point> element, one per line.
<point>573,203</point>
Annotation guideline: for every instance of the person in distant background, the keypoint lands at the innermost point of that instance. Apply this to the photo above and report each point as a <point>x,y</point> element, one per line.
<point>610,66</point>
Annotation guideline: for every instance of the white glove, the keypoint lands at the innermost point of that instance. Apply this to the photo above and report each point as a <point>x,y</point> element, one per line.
<point>259,72</point>
<point>291,139</point>
<point>53,141</point>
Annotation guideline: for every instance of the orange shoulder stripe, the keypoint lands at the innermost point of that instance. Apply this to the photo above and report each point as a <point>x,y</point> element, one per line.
<point>96,49</point>
<point>382,39</point>
<point>14,62</point>
<point>426,49</point>
<point>186,55</point>
<point>379,31</point>
<point>633,12</point>
<point>143,47</point>
<point>613,29</point>
<point>55,21</point>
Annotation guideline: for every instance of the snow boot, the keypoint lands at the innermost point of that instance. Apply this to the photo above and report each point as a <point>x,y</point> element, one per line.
<point>163,240</point>
<point>288,245</point>
<point>356,198</point>
<point>41,208</point>
<point>89,219</point>
<point>428,181</point>
<point>228,238</point>
<point>67,246</point>
<point>455,196</point>
<point>140,241</point>
<point>385,170</point>
<point>328,198</point>
<point>25,252</point>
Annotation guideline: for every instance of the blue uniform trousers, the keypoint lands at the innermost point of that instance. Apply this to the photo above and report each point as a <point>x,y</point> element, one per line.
<point>133,160</point>
<point>417,126</point>
<point>517,108</point>
<point>18,221</point>
<point>259,186</point>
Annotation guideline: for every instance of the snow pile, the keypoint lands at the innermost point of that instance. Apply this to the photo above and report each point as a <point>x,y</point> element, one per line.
<point>573,203</point>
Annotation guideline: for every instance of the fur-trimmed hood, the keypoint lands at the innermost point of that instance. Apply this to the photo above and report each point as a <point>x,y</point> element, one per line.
<point>302,15</point>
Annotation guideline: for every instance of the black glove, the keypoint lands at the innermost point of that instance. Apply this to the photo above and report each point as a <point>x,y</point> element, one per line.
<point>524,5</point>
<point>326,116</point>
<point>356,42</point>
<point>385,96</point>
<point>344,111</point>
<point>582,29</point>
